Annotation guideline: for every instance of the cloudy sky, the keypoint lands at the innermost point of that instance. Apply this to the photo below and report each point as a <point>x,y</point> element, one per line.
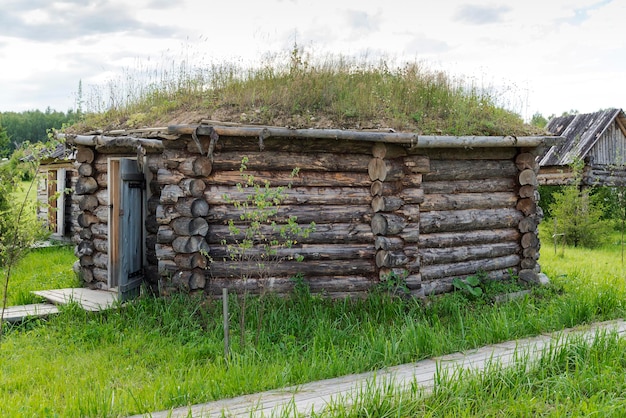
<point>546,56</point>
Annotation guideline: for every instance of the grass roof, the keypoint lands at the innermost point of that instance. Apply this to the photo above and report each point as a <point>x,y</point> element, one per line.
<point>303,92</point>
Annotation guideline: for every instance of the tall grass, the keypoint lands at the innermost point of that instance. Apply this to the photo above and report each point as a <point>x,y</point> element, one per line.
<point>159,353</point>
<point>38,269</point>
<point>575,378</point>
<point>162,353</point>
<point>302,90</point>
<point>41,269</point>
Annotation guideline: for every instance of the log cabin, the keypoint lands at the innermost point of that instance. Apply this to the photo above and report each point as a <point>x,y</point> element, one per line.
<point>598,139</point>
<point>156,205</point>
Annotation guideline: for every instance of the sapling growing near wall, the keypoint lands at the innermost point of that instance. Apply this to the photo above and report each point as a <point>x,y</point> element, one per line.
<point>578,215</point>
<point>17,232</point>
<point>259,238</point>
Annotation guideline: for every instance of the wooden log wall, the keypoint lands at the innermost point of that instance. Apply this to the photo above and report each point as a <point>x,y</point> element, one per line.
<point>88,229</point>
<point>528,205</point>
<point>597,175</point>
<point>332,189</point>
<point>593,175</point>
<point>423,216</point>
<point>176,224</point>
<point>397,195</point>
<point>470,217</point>
<point>555,176</point>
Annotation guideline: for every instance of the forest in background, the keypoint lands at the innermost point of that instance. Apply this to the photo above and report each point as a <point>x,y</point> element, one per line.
<point>31,126</point>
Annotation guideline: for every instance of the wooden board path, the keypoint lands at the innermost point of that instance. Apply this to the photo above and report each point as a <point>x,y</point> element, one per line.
<point>18,313</point>
<point>88,299</point>
<point>303,399</point>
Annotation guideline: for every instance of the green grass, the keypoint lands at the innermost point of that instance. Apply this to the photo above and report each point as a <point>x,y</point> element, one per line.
<point>301,90</point>
<point>40,269</point>
<point>162,353</point>
<point>25,194</point>
<point>575,378</point>
<point>37,269</point>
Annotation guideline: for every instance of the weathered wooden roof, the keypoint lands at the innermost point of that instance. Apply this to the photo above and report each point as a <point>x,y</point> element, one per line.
<point>581,133</point>
<point>61,152</point>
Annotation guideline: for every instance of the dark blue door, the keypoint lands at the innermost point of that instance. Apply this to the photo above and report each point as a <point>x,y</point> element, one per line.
<point>131,230</point>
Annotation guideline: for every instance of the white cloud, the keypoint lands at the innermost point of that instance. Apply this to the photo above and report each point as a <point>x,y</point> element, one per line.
<point>481,15</point>
<point>554,56</point>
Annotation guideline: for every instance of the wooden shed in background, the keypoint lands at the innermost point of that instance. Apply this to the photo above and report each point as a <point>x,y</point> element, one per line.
<point>56,208</point>
<point>598,139</point>
<point>427,208</point>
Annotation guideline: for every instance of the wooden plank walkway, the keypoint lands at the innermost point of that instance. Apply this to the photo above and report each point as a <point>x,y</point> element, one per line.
<point>89,300</point>
<point>315,396</point>
<point>18,313</point>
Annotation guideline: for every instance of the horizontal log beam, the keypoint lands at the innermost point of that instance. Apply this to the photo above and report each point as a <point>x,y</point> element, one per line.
<point>555,176</point>
<point>349,251</point>
<point>387,224</point>
<point>287,161</point>
<point>304,214</point>
<point>466,154</point>
<point>470,170</point>
<point>438,271</point>
<point>280,145</point>
<point>332,196</point>
<point>456,239</point>
<point>444,284</point>
<point>284,178</point>
<point>468,220</point>
<point>335,233</point>
<point>460,201</point>
<point>333,285</point>
<point>502,184</point>
<point>439,141</point>
<point>251,269</point>
<point>431,256</point>
<point>103,142</point>
<point>404,138</point>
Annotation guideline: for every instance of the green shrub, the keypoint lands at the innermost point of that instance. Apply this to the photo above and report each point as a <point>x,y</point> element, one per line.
<point>579,214</point>
<point>579,217</point>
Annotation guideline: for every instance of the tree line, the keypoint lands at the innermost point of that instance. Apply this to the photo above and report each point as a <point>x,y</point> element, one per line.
<point>31,126</point>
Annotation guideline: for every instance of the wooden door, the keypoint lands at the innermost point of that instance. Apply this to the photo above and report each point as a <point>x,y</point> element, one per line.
<point>126,237</point>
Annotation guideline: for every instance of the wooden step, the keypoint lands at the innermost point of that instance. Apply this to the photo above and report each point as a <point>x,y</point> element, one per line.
<point>88,299</point>
<point>18,313</point>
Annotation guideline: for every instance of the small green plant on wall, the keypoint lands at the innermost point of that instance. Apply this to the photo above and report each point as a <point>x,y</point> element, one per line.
<point>259,238</point>
<point>394,283</point>
<point>469,286</point>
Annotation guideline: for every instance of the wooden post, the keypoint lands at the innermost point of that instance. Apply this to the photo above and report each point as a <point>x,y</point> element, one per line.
<point>554,235</point>
<point>226,328</point>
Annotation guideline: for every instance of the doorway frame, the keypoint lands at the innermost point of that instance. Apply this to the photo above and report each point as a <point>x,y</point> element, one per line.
<point>114,186</point>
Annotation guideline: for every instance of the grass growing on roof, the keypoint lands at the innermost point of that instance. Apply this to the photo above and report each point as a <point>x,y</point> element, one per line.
<point>299,89</point>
